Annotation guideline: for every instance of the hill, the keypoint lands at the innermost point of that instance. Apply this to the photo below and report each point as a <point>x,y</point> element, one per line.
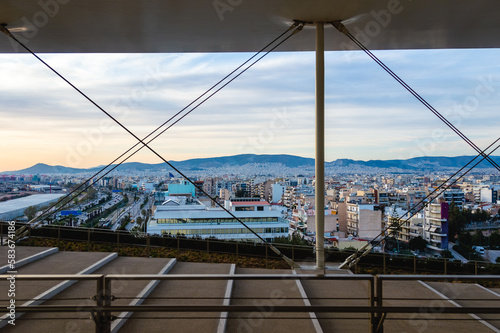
<point>427,163</point>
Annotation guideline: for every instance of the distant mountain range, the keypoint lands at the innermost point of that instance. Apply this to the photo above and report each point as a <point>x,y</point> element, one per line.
<point>430,163</point>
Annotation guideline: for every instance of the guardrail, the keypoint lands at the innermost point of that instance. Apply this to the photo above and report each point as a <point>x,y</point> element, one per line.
<point>381,263</point>
<point>375,308</point>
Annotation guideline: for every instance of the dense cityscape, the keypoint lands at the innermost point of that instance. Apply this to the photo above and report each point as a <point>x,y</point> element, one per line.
<point>427,214</point>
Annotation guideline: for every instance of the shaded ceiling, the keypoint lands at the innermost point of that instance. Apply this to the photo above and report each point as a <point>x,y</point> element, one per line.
<point>136,26</point>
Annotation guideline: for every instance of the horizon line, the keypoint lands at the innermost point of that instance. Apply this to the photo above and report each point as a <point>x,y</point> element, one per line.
<point>215,157</point>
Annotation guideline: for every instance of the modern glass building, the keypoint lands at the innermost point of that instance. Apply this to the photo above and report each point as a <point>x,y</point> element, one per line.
<point>187,216</point>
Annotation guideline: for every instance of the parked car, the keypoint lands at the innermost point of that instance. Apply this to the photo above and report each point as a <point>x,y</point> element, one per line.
<point>478,249</point>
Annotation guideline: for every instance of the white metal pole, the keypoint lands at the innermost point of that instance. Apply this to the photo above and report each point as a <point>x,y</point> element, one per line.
<point>320,145</point>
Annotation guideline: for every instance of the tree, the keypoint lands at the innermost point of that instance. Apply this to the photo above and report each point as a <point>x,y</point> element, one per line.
<point>240,194</point>
<point>480,215</point>
<point>139,220</point>
<point>295,240</point>
<point>456,221</point>
<point>30,212</point>
<point>478,238</point>
<point>70,222</point>
<point>465,238</point>
<point>91,193</point>
<point>495,238</point>
<point>447,254</point>
<point>417,243</point>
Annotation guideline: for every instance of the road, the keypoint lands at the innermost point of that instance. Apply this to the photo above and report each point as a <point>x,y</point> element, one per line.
<point>491,255</point>
<point>133,209</point>
<point>456,255</point>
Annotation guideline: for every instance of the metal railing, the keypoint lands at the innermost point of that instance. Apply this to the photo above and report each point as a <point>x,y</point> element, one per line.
<point>383,262</point>
<point>376,309</point>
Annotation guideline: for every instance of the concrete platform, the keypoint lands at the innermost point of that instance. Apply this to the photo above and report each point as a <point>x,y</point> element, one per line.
<point>267,294</point>
<point>430,297</point>
<point>82,292</point>
<point>463,294</point>
<point>22,252</point>
<point>338,293</point>
<point>429,318</point>
<point>22,256</point>
<point>181,293</point>
<point>59,263</point>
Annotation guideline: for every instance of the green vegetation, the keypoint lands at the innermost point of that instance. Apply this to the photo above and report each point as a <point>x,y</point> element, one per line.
<point>124,222</point>
<point>294,240</point>
<point>30,212</point>
<point>418,243</point>
<point>144,203</point>
<point>160,252</point>
<point>459,219</point>
<point>467,251</point>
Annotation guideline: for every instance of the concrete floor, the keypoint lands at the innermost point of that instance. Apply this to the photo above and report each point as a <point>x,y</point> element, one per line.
<point>430,297</point>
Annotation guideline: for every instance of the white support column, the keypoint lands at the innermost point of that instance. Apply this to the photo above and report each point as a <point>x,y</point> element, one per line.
<point>320,145</point>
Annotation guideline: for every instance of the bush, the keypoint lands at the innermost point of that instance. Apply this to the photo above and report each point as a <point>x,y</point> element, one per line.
<point>447,254</point>
<point>418,243</point>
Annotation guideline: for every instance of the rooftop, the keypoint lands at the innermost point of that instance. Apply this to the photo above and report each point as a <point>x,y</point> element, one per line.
<point>25,202</point>
<point>250,203</point>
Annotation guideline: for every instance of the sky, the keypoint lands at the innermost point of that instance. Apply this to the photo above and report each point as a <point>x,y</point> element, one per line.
<point>267,110</point>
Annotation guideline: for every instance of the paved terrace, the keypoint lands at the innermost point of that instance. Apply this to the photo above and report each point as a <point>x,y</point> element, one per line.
<point>430,297</point>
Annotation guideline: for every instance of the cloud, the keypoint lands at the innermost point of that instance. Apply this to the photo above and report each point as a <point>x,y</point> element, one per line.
<point>368,114</point>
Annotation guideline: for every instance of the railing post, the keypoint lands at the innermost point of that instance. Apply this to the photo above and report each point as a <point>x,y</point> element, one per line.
<point>99,301</point>
<point>106,303</point>
<point>208,246</point>
<point>414,265</point>
<point>445,266</point>
<point>148,246</point>
<point>178,246</point>
<point>372,303</point>
<point>475,267</point>
<point>385,271</point>
<point>356,262</point>
<point>102,319</point>
<point>378,322</point>
<point>58,235</point>
<point>266,257</point>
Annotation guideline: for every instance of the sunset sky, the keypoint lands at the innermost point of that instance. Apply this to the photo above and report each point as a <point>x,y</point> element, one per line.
<point>268,110</point>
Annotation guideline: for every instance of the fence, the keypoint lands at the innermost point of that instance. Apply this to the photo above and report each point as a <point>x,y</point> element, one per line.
<point>376,263</point>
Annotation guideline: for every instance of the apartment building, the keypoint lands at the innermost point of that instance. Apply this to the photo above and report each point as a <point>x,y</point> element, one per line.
<point>363,220</point>
<point>455,195</point>
<point>435,225</point>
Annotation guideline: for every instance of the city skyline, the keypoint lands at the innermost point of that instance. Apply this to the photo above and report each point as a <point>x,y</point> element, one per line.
<point>268,110</point>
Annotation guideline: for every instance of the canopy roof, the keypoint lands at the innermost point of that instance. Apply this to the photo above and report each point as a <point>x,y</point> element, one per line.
<point>137,26</point>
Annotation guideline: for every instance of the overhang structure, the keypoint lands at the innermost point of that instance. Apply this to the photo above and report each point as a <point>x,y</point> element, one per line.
<point>136,26</point>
